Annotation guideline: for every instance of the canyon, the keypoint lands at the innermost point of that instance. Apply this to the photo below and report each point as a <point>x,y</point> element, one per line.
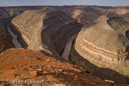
<point>14,40</point>
<point>102,48</point>
<point>46,30</point>
<point>66,51</point>
<point>5,39</point>
<point>92,37</point>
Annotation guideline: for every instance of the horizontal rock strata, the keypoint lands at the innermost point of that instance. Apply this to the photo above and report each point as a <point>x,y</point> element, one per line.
<point>102,48</point>
<point>46,30</point>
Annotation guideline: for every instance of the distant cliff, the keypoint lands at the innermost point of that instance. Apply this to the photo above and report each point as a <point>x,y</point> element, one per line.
<point>87,14</point>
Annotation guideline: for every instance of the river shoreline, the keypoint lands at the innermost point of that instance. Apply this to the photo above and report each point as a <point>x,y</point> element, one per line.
<point>14,40</point>
<point>67,49</point>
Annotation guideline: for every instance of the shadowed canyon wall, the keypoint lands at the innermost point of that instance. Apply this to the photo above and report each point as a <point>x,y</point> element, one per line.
<point>102,48</point>
<point>5,37</point>
<point>46,30</point>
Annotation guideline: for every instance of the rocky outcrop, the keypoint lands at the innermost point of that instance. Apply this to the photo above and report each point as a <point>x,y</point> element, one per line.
<point>102,48</point>
<point>46,30</point>
<point>22,64</point>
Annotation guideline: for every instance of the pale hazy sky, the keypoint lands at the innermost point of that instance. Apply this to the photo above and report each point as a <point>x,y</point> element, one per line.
<point>64,2</point>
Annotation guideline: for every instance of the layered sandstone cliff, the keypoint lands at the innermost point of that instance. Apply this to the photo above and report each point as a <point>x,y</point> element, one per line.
<point>46,30</point>
<point>102,48</point>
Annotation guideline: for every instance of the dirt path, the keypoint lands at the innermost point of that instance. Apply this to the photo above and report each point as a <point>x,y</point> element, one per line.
<point>67,49</point>
<point>14,40</point>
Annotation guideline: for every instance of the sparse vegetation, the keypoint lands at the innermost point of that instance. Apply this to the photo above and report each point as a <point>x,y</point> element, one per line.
<point>21,66</point>
<point>15,75</point>
<point>22,78</point>
<point>98,83</point>
<point>87,71</point>
<point>73,42</point>
<point>50,70</point>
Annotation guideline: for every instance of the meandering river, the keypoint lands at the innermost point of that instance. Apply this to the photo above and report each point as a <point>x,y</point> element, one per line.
<point>14,40</point>
<point>68,47</point>
<point>66,51</point>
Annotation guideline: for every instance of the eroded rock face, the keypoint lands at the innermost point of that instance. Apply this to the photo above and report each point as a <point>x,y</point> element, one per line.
<point>87,14</point>
<point>102,48</point>
<point>120,10</point>
<point>84,14</point>
<point>123,11</point>
<point>46,30</point>
<point>5,38</point>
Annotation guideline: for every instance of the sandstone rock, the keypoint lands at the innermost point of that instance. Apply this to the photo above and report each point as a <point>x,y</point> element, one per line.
<point>45,30</point>
<point>109,81</point>
<point>60,70</point>
<point>36,73</point>
<point>49,77</point>
<point>58,85</point>
<point>102,48</point>
<point>41,70</point>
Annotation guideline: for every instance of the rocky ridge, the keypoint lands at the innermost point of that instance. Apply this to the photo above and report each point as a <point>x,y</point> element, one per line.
<point>22,64</point>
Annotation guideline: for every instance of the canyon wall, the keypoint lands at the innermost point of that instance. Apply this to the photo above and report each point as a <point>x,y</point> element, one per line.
<point>46,31</point>
<point>85,14</point>
<point>123,11</point>
<point>6,15</point>
<point>6,12</point>
<point>102,48</point>
<point>5,39</point>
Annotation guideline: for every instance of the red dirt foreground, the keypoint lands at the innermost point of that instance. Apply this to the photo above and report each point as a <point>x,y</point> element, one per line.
<point>20,67</point>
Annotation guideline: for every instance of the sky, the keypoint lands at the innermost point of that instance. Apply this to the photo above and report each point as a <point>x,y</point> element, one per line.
<point>64,2</point>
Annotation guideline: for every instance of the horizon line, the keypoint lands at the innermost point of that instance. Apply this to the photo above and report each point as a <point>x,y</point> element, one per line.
<point>60,5</point>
